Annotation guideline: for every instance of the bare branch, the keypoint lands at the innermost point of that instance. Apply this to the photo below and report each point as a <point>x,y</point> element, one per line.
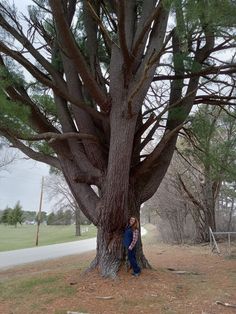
<point>104,32</point>
<point>143,32</point>
<point>230,69</point>
<point>47,159</point>
<point>145,165</point>
<point>19,94</point>
<point>190,195</point>
<point>28,65</point>
<point>59,137</point>
<point>27,44</point>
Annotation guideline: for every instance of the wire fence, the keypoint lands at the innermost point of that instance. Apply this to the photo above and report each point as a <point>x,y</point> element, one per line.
<point>223,242</point>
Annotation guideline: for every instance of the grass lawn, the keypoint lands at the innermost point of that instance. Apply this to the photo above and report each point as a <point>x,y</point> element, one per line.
<point>12,238</point>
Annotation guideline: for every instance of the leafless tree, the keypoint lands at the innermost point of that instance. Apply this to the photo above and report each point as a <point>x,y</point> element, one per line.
<point>170,209</point>
<point>58,190</point>
<point>7,157</point>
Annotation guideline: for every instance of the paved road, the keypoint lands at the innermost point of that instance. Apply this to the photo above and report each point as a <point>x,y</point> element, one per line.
<point>18,257</point>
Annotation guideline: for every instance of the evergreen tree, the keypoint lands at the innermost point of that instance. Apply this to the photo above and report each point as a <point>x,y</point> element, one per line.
<point>58,190</point>
<point>16,215</point>
<point>5,215</point>
<point>211,151</point>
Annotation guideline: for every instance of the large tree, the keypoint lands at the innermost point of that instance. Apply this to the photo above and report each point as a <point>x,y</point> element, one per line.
<point>89,109</point>
<point>210,160</point>
<point>13,216</point>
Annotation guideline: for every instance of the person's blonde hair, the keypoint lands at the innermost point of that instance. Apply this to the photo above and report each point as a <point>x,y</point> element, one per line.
<point>136,224</point>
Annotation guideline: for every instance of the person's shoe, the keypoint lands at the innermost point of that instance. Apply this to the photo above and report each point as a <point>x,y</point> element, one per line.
<point>135,274</point>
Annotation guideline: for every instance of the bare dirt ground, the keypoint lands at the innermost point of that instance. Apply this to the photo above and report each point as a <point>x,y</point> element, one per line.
<point>62,285</point>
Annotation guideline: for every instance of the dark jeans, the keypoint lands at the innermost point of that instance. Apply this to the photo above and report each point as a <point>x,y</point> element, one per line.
<point>133,261</point>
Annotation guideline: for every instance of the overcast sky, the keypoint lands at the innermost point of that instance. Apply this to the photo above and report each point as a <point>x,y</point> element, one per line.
<point>22,182</point>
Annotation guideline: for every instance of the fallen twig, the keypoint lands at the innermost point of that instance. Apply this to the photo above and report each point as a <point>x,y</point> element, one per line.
<point>182,272</point>
<point>226,304</point>
<point>73,283</point>
<point>105,298</point>
<point>69,312</point>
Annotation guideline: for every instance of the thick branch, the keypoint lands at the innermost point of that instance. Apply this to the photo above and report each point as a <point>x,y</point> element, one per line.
<point>146,125</point>
<point>59,137</point>
<point>68,43</point>
<point>190,195</point>
<point>47,159</point>
<point>27,65</point>
<point>19,94</point>
<point>108,41</point>
<point>145,73</point>
<point>149,162</point>
<point>83,120</point>
<point>122,33</point>
<point>140,38</point>
<point>85,196</point>
<point>151,180</point>
<point>41,77</point>
<point>32,50</point>
<point>150,14</point>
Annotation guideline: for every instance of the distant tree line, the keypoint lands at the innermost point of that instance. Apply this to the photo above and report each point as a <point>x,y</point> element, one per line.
<point>60,217</point>
<point>14,216</point>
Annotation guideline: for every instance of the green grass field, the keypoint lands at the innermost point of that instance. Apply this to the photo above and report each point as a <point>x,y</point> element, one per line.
<point>12,238</point>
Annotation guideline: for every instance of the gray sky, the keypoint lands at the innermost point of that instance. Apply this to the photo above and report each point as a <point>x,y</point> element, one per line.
<point>22,182</point>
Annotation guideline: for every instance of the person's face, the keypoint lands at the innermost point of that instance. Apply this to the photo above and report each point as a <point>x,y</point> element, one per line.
<point>132,221</point>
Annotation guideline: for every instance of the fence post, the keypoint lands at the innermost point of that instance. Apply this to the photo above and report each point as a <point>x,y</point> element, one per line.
<point>214,241</point>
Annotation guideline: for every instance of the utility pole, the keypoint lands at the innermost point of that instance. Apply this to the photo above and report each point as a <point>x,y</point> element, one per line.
<point>39,213</point>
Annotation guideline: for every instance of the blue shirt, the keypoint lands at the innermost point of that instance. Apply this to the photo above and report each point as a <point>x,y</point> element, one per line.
<point>128,236</point>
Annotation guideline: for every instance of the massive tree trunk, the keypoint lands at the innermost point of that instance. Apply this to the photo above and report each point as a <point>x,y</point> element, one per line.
<point>111,254</point>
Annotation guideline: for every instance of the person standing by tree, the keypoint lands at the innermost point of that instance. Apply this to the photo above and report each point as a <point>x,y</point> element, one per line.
<point>130,239</point>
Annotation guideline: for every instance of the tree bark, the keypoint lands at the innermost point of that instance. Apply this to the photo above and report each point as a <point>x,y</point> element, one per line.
<point>111,254</point>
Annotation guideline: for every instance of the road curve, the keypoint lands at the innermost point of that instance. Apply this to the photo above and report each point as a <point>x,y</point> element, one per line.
<point>10,259</point>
